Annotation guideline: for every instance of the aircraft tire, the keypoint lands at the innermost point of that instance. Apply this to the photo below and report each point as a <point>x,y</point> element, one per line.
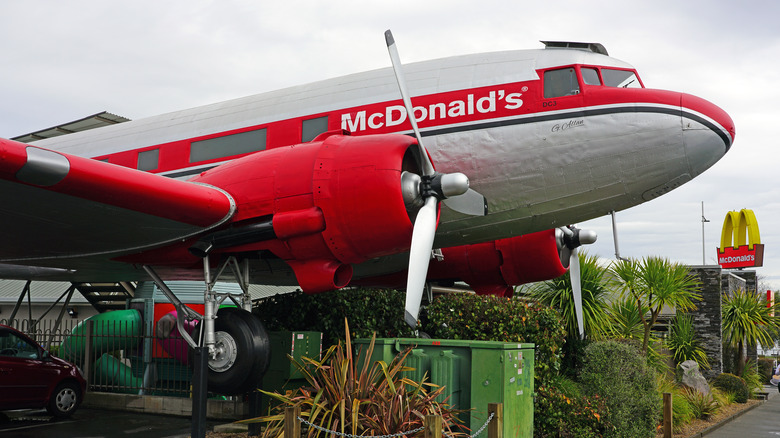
<point>261,351</point>
<point>244,356</point>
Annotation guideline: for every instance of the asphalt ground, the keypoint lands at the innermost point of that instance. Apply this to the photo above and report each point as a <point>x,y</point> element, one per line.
<point>759,422</point>
<point>95,423</point>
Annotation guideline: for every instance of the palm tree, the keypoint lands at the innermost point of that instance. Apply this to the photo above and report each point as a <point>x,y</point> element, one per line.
<point>654,283</point>
<point>747,319</point>
<point>557,293</point>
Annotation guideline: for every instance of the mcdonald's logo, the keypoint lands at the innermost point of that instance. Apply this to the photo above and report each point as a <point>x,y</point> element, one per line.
<point>740,241</point>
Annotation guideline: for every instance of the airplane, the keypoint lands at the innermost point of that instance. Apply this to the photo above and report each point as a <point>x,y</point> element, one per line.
<point>481,160</point>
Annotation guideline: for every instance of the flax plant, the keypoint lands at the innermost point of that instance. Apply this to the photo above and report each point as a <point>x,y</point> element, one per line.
<point>351,395</point>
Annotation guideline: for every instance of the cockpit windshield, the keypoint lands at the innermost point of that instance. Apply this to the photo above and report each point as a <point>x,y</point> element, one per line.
<point>620,78</point>
<point>563,81</point>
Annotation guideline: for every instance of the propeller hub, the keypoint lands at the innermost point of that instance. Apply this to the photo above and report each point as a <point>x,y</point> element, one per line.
<point>444,185</point>
<point>410,189</point>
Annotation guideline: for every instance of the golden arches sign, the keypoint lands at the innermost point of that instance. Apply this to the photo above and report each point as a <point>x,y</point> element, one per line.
<point>740,241</point>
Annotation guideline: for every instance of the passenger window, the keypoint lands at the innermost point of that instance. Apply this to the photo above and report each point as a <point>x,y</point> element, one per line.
<point>620,78</point>
<point>561,82</point>
<point>313,127</point>
<point>590,76</point>
<point>229,145</point>
<point>148,160</point>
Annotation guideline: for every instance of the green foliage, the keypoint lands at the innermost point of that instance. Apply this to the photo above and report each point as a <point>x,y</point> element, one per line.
<point>682,413</point>
<point>655,283</point>
<point>371,400</point>
<point>626,319</point>
<point>558,414</point>
<point>702,405</point>
<point>619,374</point>
<point>734,385</point>
<point>491,318</point>
<point>752,378</point>
<point>765,369</point>
<point>747,319</point>
<point>371,311</point>
<point>684,343</point>
<point>557,293</point>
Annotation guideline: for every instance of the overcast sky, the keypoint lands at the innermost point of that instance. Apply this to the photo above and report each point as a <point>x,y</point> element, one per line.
<point>65,60</point>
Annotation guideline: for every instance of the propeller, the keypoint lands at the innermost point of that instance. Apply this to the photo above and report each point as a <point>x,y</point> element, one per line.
<point>424,192</point>
<point>569,240</point>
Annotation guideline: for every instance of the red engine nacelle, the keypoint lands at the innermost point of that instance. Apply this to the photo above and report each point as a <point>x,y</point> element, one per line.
<point>493,267</point>
<point>330,203</point>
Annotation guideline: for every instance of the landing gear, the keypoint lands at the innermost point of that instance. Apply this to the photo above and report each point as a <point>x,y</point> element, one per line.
<point>236,342</point>
<point>241,352</point>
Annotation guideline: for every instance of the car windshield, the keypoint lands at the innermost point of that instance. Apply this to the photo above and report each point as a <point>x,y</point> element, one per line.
<point>15,346</point>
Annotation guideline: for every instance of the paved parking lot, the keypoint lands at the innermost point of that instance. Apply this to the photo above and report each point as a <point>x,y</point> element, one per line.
<point>94,423</point>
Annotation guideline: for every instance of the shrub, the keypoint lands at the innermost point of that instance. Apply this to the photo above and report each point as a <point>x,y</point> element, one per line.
<point>684,343</point>
<point>765,369</point>
<point>372,399</point>
<point>557,414</point>
<point>682,412</point>
<point>491,318</point>
<point>702,405</point>
<point>618,373</point>
<point>370,311</point>
<point>752,378</point>
<point>732,384</point>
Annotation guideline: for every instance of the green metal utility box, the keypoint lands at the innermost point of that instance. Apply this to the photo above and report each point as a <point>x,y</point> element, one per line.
<point>474,374</point>
<point>282,374</point>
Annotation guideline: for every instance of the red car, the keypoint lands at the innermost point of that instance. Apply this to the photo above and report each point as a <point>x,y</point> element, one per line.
<point>32,378</point>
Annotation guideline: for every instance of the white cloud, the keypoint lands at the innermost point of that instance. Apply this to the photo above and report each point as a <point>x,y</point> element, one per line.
<point>65,60</point>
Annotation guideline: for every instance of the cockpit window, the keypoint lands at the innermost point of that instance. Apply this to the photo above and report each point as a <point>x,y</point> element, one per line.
<point>590,76</point>
<point>620,78</point>
<point>561,82</point>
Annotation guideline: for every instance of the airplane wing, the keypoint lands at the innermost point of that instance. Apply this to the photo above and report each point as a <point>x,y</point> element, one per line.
<point>64,211</point>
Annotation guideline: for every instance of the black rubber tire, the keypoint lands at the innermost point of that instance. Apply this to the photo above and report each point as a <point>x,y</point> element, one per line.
<point>261,351</point>
<point>64,400</point>
<point>252,357</point>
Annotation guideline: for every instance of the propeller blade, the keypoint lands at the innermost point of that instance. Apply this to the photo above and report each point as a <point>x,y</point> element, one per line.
<point>471,203</point>
<point>399,76</point>
<point>419,258</point>
<point>576,288</point>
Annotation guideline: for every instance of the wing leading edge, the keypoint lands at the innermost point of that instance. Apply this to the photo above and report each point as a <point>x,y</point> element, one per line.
<point>56,207</point>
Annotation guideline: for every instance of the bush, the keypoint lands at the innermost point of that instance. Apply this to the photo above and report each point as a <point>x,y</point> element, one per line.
<point>682,412</point>
<point>491,318</point>
<point>765,369</point>
<point>702,405</point>
<point>361,400</point>
<point>684,343</point>
<point>752,378</point>
<point>370,311</point>
<point>557,414</point>
<point>732,384</point>
<point>618,373</point>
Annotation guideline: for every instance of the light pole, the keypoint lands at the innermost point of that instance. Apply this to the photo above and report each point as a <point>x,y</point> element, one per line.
<point>703,220</point>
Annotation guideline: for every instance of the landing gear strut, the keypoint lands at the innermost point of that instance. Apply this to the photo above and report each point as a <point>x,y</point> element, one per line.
<point>236,341</point>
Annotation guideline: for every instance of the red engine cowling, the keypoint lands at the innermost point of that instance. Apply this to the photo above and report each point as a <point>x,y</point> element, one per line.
<point>332,202</point>
<point>495,267</point>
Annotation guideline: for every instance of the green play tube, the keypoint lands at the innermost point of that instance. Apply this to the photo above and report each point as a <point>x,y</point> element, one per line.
<point>111,371</point>
<point>111,331</point>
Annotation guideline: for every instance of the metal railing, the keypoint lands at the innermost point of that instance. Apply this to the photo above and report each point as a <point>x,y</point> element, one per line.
<point>116,356</point>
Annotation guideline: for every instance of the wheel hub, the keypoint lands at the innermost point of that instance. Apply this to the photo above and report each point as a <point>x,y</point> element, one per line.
<point>225,352</point>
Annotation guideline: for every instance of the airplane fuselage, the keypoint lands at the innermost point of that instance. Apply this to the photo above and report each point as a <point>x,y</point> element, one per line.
<point>550,137</point>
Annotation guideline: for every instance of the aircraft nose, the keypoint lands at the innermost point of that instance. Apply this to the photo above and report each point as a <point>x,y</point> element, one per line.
<point>708,132</point>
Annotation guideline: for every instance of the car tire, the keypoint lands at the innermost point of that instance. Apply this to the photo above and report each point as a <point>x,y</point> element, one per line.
<point>64,400</point>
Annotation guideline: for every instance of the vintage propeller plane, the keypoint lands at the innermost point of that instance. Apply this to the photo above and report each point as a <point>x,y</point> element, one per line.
<point>342,182</point>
